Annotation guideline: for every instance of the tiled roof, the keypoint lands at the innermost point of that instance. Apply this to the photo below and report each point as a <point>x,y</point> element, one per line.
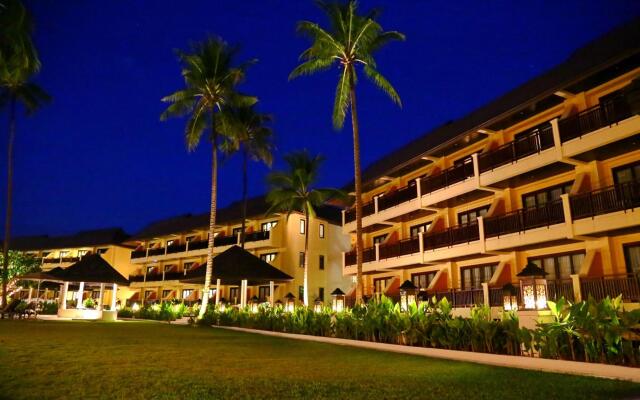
<point>88,238</point>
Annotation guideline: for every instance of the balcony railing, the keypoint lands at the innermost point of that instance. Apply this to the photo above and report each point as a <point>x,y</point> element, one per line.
<point>176,248</point>
<point>256,236</point>
<point>401,248</point>
<point>368,208</point>
<point>560,288</point>
<point>60,260</point>
<point>368,255</point>
<point>548,214</point>
<point>138,253</point>
<point>537,139</point>
<point>397,197</point>
<point>619,197</point>
<point>447,177</point>
<point>156,252</point>
<point>136,278</point>
<point>198,245</point>
<point>627,285</point>
<point>451,236</point>
<point>594,118</point>
<point>461,298</point>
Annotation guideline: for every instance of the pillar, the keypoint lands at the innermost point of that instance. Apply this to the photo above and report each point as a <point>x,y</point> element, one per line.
<point>80,295</point>
<point>271,295</point>
<point>243,293</point>
<point>100,300</point>
<point>485,293</point>
<point>30,291</point>
<point>217,291</point>
<point>63,295</point>
<point>113,297</point>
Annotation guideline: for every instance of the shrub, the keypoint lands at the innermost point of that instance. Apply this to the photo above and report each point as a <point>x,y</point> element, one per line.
<point>125,312</point>
<point>49,308</point>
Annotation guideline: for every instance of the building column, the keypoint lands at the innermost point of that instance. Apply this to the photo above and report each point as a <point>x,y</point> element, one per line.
<point>100,301</point>
<point>63,295</point>
<point>271,290</point>
<point>30,291</point>
<point>485,293</point>
<point>113,297</point>
<point>80,295</point>
<point>243,293</point>
<point>217,291</point>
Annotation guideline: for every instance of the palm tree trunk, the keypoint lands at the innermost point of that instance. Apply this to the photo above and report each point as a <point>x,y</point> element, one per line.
<point>212,221</point>
<point>244,196</point>
<point>305,283</point>
<point>358,187</point>
<point>7,222</point>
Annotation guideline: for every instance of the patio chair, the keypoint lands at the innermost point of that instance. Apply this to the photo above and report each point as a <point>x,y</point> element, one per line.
<point>31,310</point>
<point>10,309</point>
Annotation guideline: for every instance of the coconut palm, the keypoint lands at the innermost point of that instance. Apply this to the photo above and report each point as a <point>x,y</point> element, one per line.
<point>210,75</point>
<point>293,191</point>
<point>247,132</point>
<point>18,64</point>
<point>351,40</point>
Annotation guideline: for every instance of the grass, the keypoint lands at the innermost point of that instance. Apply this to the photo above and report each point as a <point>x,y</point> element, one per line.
<point>144,360</point>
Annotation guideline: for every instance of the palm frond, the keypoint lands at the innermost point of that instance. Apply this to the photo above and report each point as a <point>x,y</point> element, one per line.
<point>341,101</point>
<point>382,82</point>
<point>311,67</point>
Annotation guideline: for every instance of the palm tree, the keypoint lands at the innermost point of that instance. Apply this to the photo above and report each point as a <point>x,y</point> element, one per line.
<point>350,41</point>
<point>248,133</point>
<point>293,191</point>
<point>18,63</point>
<point>211,76</point>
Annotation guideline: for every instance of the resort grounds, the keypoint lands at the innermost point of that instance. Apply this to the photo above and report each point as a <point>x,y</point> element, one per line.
<point>154,360</point>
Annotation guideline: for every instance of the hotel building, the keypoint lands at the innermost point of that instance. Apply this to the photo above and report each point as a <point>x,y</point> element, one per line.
<point>548,174</point>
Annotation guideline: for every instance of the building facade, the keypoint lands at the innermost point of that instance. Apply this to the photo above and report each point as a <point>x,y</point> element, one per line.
<point>547,174</point>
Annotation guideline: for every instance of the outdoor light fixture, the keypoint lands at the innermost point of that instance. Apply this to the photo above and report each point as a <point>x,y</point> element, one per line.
<point>423,298</point>
<point>533,287</point>
<point>222,305</point>
<point>408,293</point>
<point>253,303</point>
<point>135,307</point>
<point>290,302</point>
<point>317,305</point>
<point>510,297</point>
<point>338,298</point>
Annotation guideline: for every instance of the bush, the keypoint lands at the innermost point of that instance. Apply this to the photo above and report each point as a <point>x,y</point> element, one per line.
<point>125,312</point>
<point>49,308</point>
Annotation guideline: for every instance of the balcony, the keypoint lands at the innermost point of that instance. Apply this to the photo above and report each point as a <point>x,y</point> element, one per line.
<point>368,255</point>
<point>627,285</point>
<point>399,249</point>
<point>452,236</point>
<point>524,219</point>
<point>60,260</point>
<point>594,118</point>
<point>461,298</point>
<point>610,199</point>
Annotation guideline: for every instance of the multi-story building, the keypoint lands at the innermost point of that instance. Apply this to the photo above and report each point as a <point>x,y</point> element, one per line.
<point>165,251</point>
<point>549,173</point>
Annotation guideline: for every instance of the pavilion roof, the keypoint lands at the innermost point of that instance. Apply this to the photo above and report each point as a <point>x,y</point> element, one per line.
<point>93,269</point>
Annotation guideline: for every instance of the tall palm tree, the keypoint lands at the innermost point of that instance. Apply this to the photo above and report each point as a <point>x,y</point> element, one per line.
<point>293,190</point>
<point>351,40</point>
<point>210,76</point>
<point>18,64</point>
<point>247,132</point>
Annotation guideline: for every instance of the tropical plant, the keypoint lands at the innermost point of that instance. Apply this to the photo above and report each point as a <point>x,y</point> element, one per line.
<point>18,263</point>
<point>293,191</point>
<point>246,131</point>
<point>18,64</point>
<point>211,76</point>
<point>351,40</point>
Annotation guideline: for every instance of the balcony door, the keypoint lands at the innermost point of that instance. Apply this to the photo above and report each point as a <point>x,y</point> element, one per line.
<point>632,258</point>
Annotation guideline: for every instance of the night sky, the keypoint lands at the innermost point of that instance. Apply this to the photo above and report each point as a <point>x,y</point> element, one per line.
<point>98,155</point>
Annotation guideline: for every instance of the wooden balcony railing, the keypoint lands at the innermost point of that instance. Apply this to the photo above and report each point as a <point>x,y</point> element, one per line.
<point>198,245</point>
<point>368,208</point>
<point>447,177</point>
<point>176,248</point>
<point>138,253</point>
<point>520,220</point>
<point>136,278</point>
<point>156,252</point>
<point>256,236</point>
<point>624,196</point>
<point>594,118</point>
<point>560,288</point>
<point>401,248</point>
<point>451,236</point>
<point>461,298</point>
<point>400,196</point>
<point>627,285</point>
<point>368,255</point>
<point>537,139</point>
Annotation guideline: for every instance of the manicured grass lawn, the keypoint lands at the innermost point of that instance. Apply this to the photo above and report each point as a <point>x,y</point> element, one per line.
<point>142,360</point>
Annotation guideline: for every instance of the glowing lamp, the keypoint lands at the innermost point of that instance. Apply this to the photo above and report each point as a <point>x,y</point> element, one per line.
<point>510,297</point>
<point>135,307</point>
<point>317,305</point>
<point>290,302</point>
<point>533,287</point>
<point>338,298</point>
<point>408,293</point>
<point>222,305</point>
<point>253,304</point>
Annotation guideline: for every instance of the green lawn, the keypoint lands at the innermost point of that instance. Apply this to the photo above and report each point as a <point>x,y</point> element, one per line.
<point>141,360</point>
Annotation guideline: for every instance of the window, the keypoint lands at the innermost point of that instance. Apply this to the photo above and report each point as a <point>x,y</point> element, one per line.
<point>379,239</point>
<point>380,284</point>
<point>152,245</point>
<point>150,269</point>
<point>82,253</point>
<point>102,250</point>
<point>171,242</point>
<point>263,293</point>
<point>473,277</point>
<point>267,226</point>
<point>463,160</point>
<point>234,295</point>
<point>300,292</point>
<point>541,197</point>
<point>422,280</point>
<point>302,226</point>
<point>45,253</point>
<point>166,293</point>
<point>632,257</point>
<point>63,254</point>
<point>301,259</point>
<point>186,293</point>
<point>95,295</point>
<point>471,216</point>
<point>168,268</point>
<point>627,173</point>
<point>187,266</point>
<point>321,293</point>
<point>268,257</point>
<point>148,294</point>
<point>321,231</point>
<point>416,229</point>
<point>212,294</point>
<point>560,266</point>
<point>191,238</point>
<point>236,231</point>
<point>321,262</point>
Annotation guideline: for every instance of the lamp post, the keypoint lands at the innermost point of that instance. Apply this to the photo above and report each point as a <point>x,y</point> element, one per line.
<point>510,297</point>
<point>533,287</point>
<point>338,298</point>
<point>317,305</point>
<point>407,294</point>
<point>290,302</point>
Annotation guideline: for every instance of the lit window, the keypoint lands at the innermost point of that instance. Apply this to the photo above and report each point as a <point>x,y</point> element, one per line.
<point>190,238</point>
<point>416,229</point>
<point>63,254</point>
<point>82,253</point>
<point>321,231</point>
<point>150,269</point>
<point>187,266</point>
<point>171,242</point>
<point>236,231</point>
<point>268,257</point>
<point>186,293</point>
<point>473,277</point>
<point>267,226</point>
<point>168,268</point>
<point>166,293</point>
<point>302,226</point>
<point>379,239</point>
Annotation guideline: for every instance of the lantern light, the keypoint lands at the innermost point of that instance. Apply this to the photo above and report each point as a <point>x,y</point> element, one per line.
<point>338,298</point>
<point>253,303</point>
<point>317,305</point>
<point>510,297</point>
<point>290,302</point>
<point>135,307</point>
<point>408,293</point>
<point>222,304</point>
<point>533,287</point>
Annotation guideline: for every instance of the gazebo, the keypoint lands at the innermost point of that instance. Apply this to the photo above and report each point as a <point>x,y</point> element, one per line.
<point>236,266</point>
<point>40,277</point>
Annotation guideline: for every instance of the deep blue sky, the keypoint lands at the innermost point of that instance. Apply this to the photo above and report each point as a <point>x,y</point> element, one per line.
<point>98,155</point>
